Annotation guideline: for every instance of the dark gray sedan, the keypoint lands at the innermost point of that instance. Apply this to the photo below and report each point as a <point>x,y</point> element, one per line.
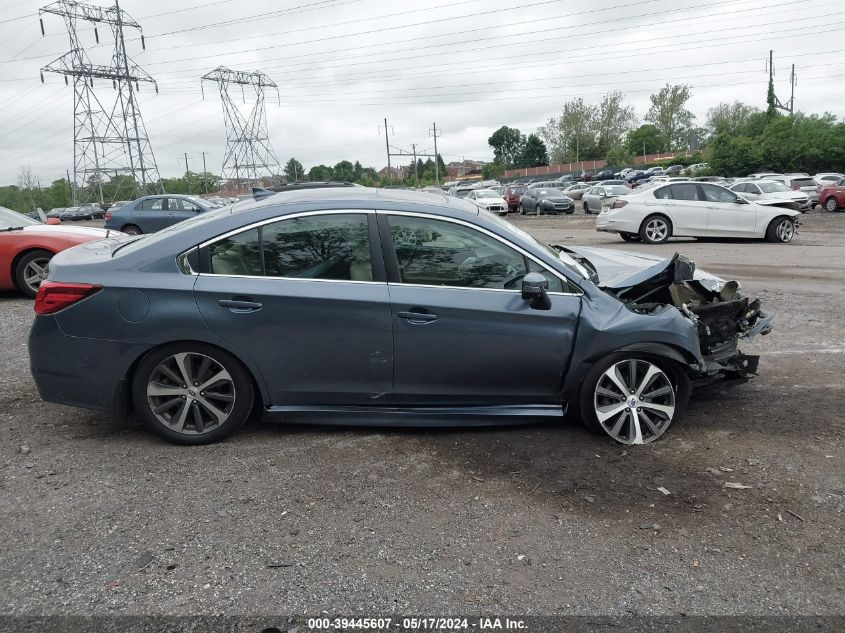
<point>378,307</point>
<point>153,213</point>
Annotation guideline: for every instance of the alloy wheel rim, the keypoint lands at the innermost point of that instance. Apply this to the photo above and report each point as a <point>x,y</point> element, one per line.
<point>190,393</point>
<point>35,272</point>
<point>785,231</point>
<point>831,205</point>
<point>656,230</point>
<point>634,401</point>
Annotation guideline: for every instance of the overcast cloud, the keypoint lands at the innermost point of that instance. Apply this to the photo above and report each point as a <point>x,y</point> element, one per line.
<point>470,65</point>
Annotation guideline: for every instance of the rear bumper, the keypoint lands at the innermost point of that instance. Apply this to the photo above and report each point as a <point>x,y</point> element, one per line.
<point>80,372</point>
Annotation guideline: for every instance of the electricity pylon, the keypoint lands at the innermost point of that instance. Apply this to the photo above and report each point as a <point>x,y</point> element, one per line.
<point>249,155</point>
<point>109,137</point>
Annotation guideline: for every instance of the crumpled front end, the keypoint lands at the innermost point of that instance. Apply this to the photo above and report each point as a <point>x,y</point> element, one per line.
<point>721,314</point>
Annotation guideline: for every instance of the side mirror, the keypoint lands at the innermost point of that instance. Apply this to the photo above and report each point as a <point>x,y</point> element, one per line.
<point>53,221</point>
<point>535,289</point>
<point>741,200</point>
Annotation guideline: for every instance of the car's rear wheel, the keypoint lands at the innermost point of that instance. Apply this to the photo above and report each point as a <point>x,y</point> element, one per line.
<point>31,270</point>
<point>131,229</point>
<point>633,398</point>
<point>655,229</point>
<point>630,237</point>
<point>831,204</point>
<point>781,229</point>
<point>192,393</point>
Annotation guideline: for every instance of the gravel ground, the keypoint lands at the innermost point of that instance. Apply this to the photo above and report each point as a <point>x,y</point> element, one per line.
<point>100,517</point>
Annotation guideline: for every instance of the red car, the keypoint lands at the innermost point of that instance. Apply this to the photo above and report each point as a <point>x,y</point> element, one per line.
<point>832,196</point>
<point>27,246</point>
<point>512,196</point>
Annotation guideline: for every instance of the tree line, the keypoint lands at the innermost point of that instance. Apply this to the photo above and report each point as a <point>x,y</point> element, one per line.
<point>736,138</point>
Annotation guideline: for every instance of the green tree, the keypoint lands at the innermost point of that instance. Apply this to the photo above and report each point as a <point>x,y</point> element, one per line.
<point>612,120</point>
<point>492,171</point>
<point>730,118</point>
<point>533,152</point>
<point>619,157</point>
<point>320,173</point>
<point>506,143</point>
<point>645,139</point>
<point>294,170</point>
<point>572,135</point>
<point>669,114</point>
<point>344,171</point>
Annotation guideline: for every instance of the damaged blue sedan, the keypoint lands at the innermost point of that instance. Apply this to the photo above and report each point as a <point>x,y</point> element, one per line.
<point>379,307</point>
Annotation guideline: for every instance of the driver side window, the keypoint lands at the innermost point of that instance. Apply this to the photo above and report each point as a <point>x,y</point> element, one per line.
<point>438,253</point>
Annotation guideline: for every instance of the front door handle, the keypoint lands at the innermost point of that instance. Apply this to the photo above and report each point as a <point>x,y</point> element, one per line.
<point>417,317</point>
<point>236,305</point>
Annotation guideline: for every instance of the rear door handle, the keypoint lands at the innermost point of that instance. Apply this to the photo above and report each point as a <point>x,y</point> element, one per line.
<point>236,305</point>
<point>417,317</point>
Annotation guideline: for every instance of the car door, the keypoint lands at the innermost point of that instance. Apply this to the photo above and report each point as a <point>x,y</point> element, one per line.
<point>305,298</point>
<point>684,206</point>
<point>728,214</point>
<point>150,214</point>
<point>179,209</point>
<point>462,332</point>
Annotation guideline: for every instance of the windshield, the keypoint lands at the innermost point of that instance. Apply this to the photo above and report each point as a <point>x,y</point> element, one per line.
<point>773,187</point>
<point>12,219</point>
<point>617,190</point>
<point>577,269</point>
<point>486,194</point>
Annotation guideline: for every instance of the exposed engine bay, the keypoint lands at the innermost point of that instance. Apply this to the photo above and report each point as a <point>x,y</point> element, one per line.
<point>720,313</point>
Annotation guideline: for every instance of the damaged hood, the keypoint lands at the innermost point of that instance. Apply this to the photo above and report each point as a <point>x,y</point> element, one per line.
<point>622,269</point>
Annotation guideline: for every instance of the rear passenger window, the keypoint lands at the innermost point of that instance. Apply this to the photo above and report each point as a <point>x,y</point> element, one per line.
<point>237,255</point>
<point>664,193</point>
<point>154,204</point>
<point>319,247</point>
<point>685,191</point>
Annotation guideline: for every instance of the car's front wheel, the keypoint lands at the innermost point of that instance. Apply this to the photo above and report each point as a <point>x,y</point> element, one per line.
<point>586,208</point>
<point>831,204</point>
<point>781,229</point>
<point>633,398</point>
<point>521,209</point>
<point>31,270</point>
<point>192,393</point>
<point>655,229</point>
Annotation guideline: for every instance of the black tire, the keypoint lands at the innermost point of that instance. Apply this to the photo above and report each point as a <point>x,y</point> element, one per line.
<point>590,396</point>
<point>630,237</point>
<point>521,209</point>
<point>649,229</point>
<point>131,229</point>
<point>781,230</point>
<point>586,208</point>
<point>25,268</point>
<point>831,204</point>
<point>241,392</point>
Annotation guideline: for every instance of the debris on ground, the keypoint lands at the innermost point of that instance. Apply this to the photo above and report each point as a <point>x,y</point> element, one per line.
<point>736,485</point>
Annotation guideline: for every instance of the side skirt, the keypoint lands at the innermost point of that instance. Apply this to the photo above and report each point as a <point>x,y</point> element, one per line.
<point>416,416</point>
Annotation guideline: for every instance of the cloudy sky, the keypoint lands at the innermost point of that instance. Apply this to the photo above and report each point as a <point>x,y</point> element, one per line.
<point>470,65</point>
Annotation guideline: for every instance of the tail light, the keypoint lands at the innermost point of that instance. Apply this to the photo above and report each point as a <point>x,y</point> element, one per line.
<point>54,296</point>
<point>108,215</point>
<point>618,204</point>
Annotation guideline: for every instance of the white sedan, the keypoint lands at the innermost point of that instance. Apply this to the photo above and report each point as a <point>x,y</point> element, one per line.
<point>694,209</point>
<point>772,192</point>
<point>489,200</point>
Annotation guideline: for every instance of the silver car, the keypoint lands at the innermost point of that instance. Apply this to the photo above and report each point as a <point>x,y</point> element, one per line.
<point>603,196</point>
<point>577,191</point>
<point>772,193</point>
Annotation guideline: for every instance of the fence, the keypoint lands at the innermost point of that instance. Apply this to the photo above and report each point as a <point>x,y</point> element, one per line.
<point>591,165</point>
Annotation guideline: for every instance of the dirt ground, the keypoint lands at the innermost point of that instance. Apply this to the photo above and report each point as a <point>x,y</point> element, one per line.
<point>98,516</point>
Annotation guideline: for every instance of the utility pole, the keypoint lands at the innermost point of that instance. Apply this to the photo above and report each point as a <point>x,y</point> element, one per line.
<point>433,132</point>
<point>416,171</point>
<point>413,154</point>
<point>643,151</point>
<point>188,173</point>
<point>387,146</point>
<point>204,172</point>
<point>771,97</point>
